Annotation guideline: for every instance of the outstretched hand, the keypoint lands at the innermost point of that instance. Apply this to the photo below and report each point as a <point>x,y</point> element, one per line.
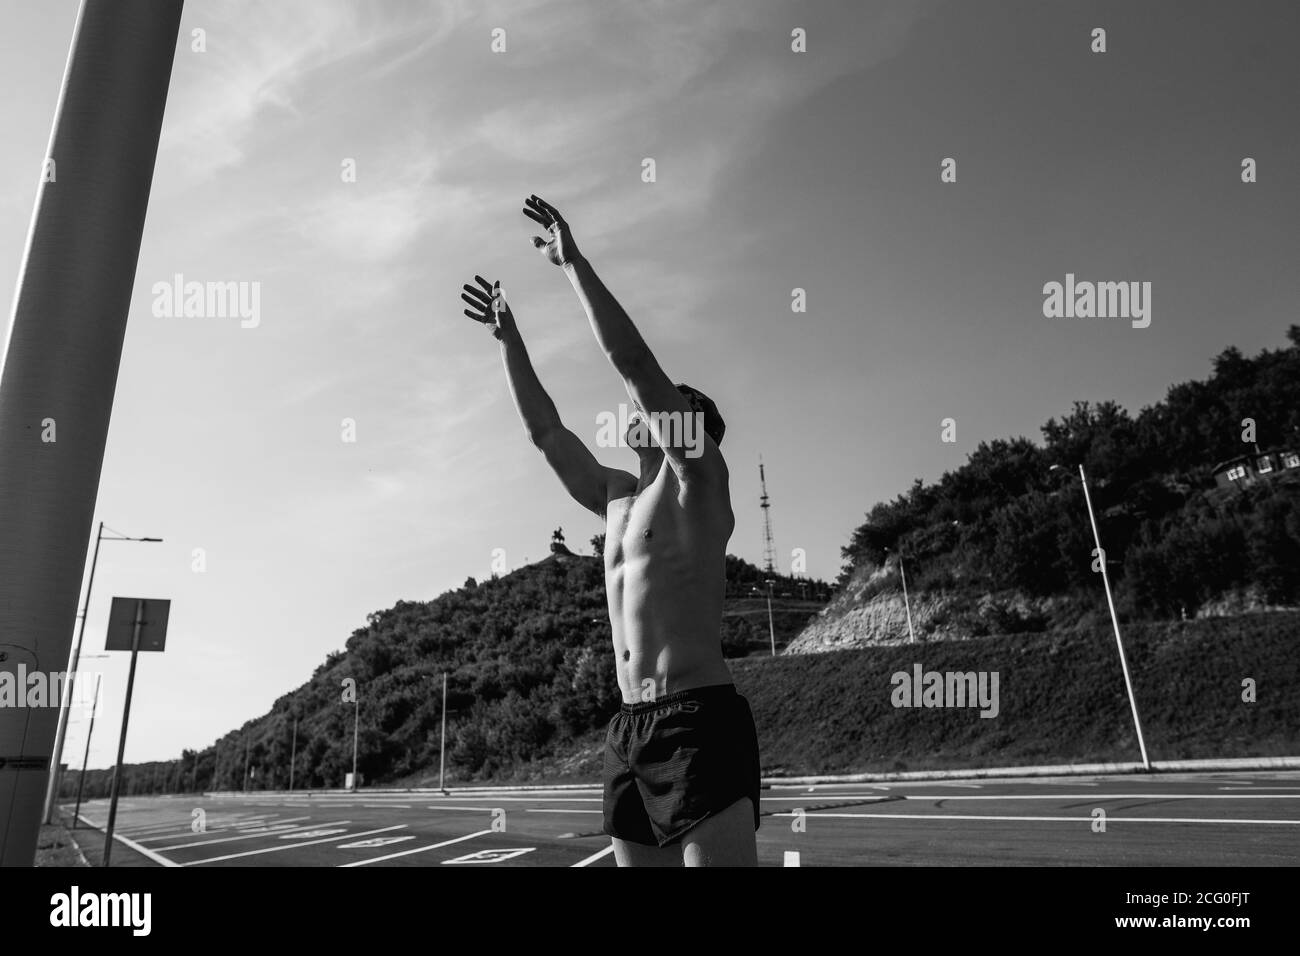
<point>488,306</point>
<point>559,247</point>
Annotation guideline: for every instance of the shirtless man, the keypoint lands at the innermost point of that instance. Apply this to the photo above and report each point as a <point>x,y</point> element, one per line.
<point>681,775</point>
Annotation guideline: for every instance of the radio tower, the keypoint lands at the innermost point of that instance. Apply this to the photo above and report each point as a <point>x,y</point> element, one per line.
<point>769,550</point>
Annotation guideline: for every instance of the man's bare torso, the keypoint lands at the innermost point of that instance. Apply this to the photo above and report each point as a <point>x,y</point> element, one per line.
<point>665,575</point>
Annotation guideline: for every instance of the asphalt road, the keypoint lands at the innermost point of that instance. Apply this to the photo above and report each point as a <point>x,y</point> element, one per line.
<point>1221,819</point>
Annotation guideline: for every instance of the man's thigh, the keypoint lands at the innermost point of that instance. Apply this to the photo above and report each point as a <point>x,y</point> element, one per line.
<point>724,839</point>
<point>627,853</point>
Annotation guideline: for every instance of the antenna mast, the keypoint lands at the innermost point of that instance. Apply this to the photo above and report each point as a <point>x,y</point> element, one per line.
<point>769,550</point>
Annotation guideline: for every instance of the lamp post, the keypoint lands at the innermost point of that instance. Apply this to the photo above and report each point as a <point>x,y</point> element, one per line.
<point>1114,618</point>
<point>81,781</point>
<point>356,726</point>
<point>66,704</point>
<point>771,627</point>
<point>442,746</point>
<point>293,753</point>
<point>907,604</point>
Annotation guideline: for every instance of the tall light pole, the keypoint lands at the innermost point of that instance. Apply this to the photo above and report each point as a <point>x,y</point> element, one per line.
<point>442,747</point>
<point>81,781</point>
<point>293,753</point>
<point>771,627</point>
<point>907,604</point>
<point>356,724</point>
<point>1114,618</point>
<point>65,705</point>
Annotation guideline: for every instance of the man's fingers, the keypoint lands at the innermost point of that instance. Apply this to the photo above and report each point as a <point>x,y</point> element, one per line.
<point>475,298</point>
<point>477,317</point>
<point>538,242</point>
<point>487,286</point>
<point>549,217</point>
<point>537,217</point>
<point>549,209</point>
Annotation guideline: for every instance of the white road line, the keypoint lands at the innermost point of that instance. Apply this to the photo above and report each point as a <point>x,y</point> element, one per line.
<point>153,828</point>
<point>252,836</point>
<point>213,826</point>
<point>1109,818</point>
<point>156,857</point>
<point>596,856</point>
<point>294,846</point>
<point>386,806</point>
<point>1108,796</point>
<point>418,849</point>
<point>470,809</point>
<point>555,810</point>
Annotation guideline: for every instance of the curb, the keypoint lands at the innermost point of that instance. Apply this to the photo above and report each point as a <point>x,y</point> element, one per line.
<point>1227,765</point>
<point>1233,765</point>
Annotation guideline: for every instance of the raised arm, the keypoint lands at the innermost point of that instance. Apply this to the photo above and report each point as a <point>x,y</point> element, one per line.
<point>586,479</point>
<point>650,388</point>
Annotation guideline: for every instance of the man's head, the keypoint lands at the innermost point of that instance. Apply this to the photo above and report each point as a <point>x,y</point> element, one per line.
<point>638,434</point>
<point>700,403</point>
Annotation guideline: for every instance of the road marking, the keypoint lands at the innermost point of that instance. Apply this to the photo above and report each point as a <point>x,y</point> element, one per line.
<point>553,810</point>
<point>252,836</point>
<point>470,809</point>
<point>292,846</point>
<point>386,806</point>
<point>418,849</point>
<point>375,842</point>
<point>499,855</point>
<point>1109,796</point>
<point>596,856</point>
<point>791,858</point>
<point>310,833</point>
<point>185,829</point>
<point>156,857</point>
<point>1088,819</point>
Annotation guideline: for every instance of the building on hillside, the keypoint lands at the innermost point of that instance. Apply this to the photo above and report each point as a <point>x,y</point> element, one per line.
<point>1248,469</point>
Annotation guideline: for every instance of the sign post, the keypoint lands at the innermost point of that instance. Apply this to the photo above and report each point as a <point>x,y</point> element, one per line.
<point>134,624</point>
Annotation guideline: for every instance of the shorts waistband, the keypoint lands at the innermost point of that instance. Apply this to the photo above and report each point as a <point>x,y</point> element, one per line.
<point>695,693</point>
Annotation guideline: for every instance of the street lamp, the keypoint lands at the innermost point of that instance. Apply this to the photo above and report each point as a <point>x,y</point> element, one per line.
<point>1114,618</point>
<point>907,604</point>
<point>65,705</point>
<point>771,627</point>
<point>81,781</point>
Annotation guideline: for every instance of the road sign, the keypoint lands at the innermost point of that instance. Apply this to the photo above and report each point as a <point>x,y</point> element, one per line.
<point>135,625</point>
<point>121,624</point>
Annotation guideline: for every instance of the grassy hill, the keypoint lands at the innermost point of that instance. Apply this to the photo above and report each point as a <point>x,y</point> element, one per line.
<point>531,675</point>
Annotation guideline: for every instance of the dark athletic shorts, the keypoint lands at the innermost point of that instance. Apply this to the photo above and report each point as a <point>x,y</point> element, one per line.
<point>672,762</point>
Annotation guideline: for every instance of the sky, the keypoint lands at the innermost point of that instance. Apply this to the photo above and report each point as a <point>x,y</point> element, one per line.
<point>775,170</point>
